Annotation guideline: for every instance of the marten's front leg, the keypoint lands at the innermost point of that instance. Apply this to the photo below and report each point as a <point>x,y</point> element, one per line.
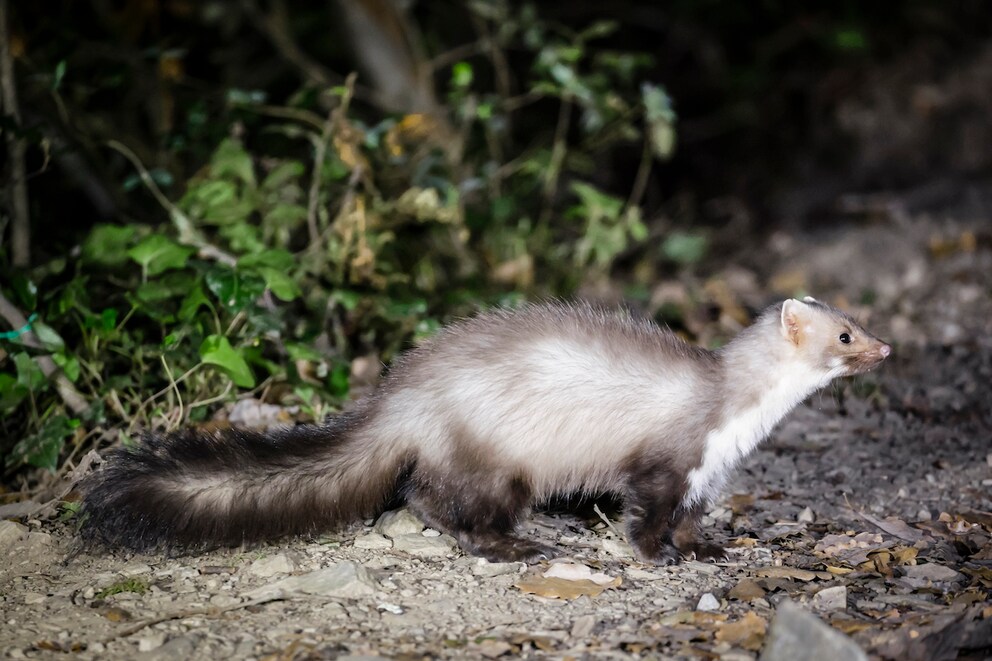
<point>651,510</point>
<point>687,538</point>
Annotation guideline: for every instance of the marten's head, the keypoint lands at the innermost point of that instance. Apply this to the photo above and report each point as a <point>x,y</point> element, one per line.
<point>829,339</point>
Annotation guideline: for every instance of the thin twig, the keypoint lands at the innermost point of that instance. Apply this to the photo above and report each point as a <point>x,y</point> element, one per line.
<point>209,611</point>
<point>606,520</point>
<point>175,388</point>
<point>298,114</point>
<point>558,151</point>
<point>641,178</point>
<point>456,54</point>
<point>72,397</point>
<point>275,26</point>
<point>334,119</point>
<point>187,232</point>
<point>20,248</point>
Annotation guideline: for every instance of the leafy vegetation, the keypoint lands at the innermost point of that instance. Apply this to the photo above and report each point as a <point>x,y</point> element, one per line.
<point>319,230</point>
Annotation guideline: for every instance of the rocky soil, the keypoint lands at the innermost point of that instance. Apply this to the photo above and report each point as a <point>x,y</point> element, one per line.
<point>861,529</point>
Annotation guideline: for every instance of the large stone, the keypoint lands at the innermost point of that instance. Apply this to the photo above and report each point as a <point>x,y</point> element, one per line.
<point>10,534</point>
<point>424,547</point>
<point>831,599</point>
<point>271,565</point>
<point>798,634</point>
<point>345,579</point>
<point>373,541</point>
<point>398,522</point>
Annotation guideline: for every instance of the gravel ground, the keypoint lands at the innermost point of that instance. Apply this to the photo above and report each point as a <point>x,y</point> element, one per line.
<point>868,507</point>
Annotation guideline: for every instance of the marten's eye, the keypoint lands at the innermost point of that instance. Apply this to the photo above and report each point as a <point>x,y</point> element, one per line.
<point>845,338</point>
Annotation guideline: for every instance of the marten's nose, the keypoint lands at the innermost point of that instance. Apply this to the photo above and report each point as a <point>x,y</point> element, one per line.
<point>885,350</point>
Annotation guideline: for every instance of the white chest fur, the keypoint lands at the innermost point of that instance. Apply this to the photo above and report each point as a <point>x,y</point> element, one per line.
<point>741,431</point>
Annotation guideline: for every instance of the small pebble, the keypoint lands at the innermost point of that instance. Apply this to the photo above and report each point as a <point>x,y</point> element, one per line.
<point>708,603</point>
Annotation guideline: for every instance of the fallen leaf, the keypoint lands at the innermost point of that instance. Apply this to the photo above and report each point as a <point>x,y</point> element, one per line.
<point>895,527</point>
<point>747,632</point>
<point>839,571</point>
<point>849,626</point>
<point>115,614</point>
<point>571,571</point>
<point>746,590</point>
<point>741,502</point>
<point>976,516</point>
<point>559,588</point>
<point>746,542</point>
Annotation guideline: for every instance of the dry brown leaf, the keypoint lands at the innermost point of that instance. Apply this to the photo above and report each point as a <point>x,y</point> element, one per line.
<point>115,614</point>
<point>848,626</point>
<point>905,555</point>
<point>741,502</point>
<point>746,542</point>
<point>559,588</point>
<point>746,590</point>
<point>747,632</point>
<point>977,516</point>
<point>839,571</point>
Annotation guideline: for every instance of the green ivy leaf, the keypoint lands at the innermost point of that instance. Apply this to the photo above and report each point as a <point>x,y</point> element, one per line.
<point>684,248</point>
<point>107,244</point>
<point>68,364</point>
<point>29,374</point>
<point>191,304</point>
<point>283,286</point>
<point>42,449</point>
<point>231,160</point>
<point>217,350</point>
<point>47,336</point>
<point>283,174</point>
<point>660,119</point>
<point>12,393</point>
<point>157,254</point>
<point>235,290</point>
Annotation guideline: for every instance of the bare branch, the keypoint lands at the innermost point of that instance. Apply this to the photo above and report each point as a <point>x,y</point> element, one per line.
<point>72,397</point>
<point>16,148</point>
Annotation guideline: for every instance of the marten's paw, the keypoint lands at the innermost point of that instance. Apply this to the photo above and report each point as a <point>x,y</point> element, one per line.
<point>707,552</point>
<point>663,555</point>
<point>511,549</point>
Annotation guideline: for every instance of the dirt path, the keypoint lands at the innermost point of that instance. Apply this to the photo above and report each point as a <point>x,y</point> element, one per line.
<point>869,506</point>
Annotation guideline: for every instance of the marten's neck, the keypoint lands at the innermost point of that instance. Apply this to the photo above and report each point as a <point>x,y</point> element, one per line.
<point>761,378</point>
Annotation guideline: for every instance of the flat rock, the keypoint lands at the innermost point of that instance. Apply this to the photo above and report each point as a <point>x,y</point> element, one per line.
<point>19,509</point>
<point>798,634</point>
<point>617,548</point>
<point>10,533</point>
<point>921,575</point>
<point>345,579</point>
<point>374,541</point>
<point>398,522</point>
<point>272,565</point>
<point>484,568</point>
<point>831,599</point>
<point>424,547</point>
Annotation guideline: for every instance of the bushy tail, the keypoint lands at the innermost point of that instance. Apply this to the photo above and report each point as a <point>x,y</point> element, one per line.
<point>194,489</point>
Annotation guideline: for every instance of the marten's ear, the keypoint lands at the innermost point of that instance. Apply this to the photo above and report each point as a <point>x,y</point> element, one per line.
<point>809,299</point>
<point>793,315</point>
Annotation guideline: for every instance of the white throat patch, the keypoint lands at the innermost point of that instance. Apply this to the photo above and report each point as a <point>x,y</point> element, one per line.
<point>741,432</point>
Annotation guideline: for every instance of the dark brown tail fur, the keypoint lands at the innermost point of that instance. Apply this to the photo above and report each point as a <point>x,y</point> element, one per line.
<point>193,490</point>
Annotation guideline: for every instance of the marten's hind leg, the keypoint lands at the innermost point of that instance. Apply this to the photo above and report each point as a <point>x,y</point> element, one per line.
<point>480,509</point>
